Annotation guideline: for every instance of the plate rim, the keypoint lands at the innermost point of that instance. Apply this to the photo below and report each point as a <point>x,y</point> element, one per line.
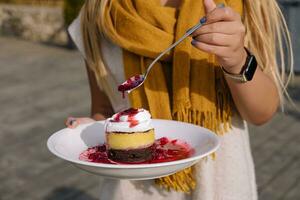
<point>51,148</point>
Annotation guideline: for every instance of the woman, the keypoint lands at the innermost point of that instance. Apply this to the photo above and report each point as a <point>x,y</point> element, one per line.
<point>210,79</point>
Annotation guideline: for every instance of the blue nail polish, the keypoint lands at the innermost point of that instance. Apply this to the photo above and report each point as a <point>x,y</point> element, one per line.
<point>72,121</point>
<point>221,5</point>
<point>203,20</point>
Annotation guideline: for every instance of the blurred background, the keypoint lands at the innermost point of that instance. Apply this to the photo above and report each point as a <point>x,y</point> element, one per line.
<point>43,80</point>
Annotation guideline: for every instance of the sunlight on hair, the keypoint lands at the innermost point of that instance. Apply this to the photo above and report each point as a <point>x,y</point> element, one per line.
<point>268,38</point>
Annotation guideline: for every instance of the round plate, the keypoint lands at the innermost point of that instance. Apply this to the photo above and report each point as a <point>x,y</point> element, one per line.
<point>68,143</point>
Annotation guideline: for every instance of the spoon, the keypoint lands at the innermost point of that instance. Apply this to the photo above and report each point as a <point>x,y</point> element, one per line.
<point>137,80</point>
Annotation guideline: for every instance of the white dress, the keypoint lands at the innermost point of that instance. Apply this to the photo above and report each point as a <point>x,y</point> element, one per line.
<point>229,177</point>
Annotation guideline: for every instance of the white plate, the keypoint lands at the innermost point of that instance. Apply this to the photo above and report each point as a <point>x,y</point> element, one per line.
<point>68,143</point>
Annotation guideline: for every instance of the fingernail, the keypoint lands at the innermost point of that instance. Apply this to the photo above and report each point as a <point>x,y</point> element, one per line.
<point>72,121</point>
<point>203,20</point>
<point>221,5</point>
<point>193,42</point>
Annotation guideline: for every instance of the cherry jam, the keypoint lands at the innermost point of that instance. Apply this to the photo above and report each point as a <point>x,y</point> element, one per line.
<point>130,84</point>
<point>164,150</point>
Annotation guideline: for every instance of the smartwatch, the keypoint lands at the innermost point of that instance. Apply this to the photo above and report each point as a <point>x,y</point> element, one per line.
<point>247,72</point>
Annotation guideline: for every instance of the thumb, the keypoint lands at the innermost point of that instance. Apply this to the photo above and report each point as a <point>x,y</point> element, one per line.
<point>209,5</point>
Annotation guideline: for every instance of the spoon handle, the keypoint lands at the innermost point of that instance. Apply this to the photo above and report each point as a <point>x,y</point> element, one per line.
<point>188,33</point>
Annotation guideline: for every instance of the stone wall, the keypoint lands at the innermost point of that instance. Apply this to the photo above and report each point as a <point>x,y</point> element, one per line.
<point>36,23</point>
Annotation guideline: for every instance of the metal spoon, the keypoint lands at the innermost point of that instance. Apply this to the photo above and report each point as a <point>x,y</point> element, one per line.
<point>137,80</point>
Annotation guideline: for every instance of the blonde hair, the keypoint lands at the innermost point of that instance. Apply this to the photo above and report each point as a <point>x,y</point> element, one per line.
<point>92,30</point>
<point>267,36</point>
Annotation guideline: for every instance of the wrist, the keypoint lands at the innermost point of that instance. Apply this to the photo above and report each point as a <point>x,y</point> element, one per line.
<point>98,117</point>
<point>237,68</point>
<point>246,72</point>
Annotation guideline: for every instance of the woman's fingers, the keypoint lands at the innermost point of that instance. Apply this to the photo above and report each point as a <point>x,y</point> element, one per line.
<point>221,20</point>
<point>209,5</point>
<point>222,34</point>
<point>229,28</point>
<point>212,49</point>
<point>73,122</point>
<point>217,39</point>
<point>222,14</point>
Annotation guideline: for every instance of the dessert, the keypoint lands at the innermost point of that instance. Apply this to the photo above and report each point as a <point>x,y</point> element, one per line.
<point>130,139</point>
<point>130,136</point>
<point>164,150</point>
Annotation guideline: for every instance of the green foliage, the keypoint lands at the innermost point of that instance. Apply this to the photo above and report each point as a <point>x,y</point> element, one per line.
<point>71,9</point>
<point>35,2</point>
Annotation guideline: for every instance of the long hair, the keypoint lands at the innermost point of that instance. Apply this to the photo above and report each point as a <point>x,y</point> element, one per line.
<point>267,37</point>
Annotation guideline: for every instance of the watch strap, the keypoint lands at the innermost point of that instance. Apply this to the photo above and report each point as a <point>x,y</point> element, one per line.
<point>247,70</point>
<point>237,77</point>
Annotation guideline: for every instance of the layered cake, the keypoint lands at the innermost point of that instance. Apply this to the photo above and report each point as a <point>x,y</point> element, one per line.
<point>130,136</point>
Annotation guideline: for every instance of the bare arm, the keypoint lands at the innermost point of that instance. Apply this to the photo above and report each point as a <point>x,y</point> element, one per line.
<point>256,100</point>
<point>100,105</point>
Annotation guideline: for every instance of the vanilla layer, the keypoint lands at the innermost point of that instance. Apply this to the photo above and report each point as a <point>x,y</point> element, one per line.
<point>124,141</point>
<point>143,119</point>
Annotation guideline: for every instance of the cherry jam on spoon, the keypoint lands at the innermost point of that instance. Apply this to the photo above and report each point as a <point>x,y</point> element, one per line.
<point>131,84</point>
<point>137,80</point>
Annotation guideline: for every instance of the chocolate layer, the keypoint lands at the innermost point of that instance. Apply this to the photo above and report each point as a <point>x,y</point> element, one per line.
<point>132,155</point>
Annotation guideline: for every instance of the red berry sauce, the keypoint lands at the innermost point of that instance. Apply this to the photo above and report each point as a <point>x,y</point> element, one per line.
<point>164,150</point>
<point>130,84</point>
<point>131,112</point>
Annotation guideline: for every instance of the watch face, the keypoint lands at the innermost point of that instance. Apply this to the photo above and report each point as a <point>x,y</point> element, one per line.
<point>250,70</point>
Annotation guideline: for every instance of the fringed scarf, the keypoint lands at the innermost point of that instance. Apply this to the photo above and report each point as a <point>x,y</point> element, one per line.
<point>187,84</point>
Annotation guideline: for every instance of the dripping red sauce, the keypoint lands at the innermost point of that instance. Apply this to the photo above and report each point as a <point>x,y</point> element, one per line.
<point>130,84</point>
<point>131,112</point>
<point>164,150</point>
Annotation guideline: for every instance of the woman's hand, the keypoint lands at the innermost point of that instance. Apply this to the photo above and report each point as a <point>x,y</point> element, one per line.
<point>73,122</point>
<point>223,35</point>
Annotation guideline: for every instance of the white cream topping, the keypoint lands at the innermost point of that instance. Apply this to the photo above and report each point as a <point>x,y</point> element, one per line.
<point>125,122</point>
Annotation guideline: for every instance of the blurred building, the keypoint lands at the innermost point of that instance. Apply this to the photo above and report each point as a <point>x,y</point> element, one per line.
<point>291,10</point>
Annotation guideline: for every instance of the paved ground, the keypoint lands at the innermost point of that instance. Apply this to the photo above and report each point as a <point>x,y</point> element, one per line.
<point>41,85</point>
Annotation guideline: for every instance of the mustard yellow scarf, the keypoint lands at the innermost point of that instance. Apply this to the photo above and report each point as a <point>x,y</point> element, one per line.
<point>187,84</point>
